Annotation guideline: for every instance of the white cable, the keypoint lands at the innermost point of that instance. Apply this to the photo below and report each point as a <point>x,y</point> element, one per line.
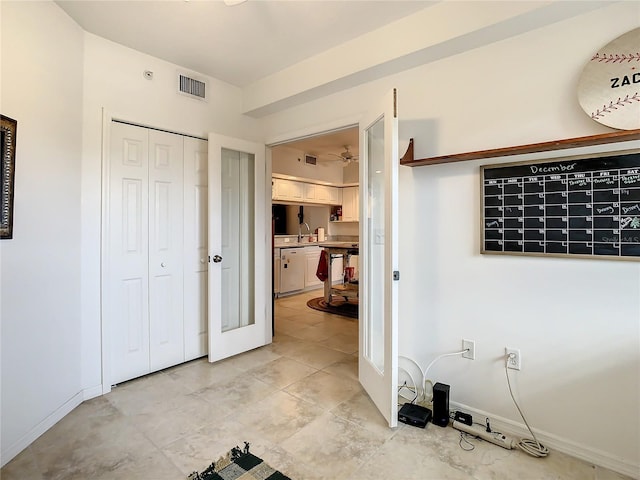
<point>527,445</point>
<point>415,386</point>
<point>424,375</point>
<point>442,356</point>
<point>400,394</point>
<point>421,372</point>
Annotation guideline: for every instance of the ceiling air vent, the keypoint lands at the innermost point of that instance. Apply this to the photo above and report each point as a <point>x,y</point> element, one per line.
<point>192,87</point>
<point>310,159</point>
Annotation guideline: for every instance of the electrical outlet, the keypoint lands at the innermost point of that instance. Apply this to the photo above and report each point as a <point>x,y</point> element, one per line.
<point>471,345</point>
<point>515,360</point>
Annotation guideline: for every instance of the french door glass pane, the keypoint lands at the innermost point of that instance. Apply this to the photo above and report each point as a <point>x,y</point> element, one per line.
<point>374,330</point>
<point>238,244</point>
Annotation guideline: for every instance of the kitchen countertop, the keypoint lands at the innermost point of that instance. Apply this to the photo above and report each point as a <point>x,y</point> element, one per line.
<point>333,244</point>
<point>344,242</point>
<point>297,245</point>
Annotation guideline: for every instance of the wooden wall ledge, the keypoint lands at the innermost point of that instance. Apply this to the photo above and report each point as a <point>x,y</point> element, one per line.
<point>621,136</point>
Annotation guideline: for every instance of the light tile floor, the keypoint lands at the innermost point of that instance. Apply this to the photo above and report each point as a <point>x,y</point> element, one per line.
<point>297,401</point>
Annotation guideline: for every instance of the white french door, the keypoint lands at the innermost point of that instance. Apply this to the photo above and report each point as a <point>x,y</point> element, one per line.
<point>378,353</point>
<point>239,246</point>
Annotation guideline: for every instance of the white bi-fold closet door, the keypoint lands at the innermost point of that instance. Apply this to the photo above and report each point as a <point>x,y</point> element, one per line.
<point>156,270</point>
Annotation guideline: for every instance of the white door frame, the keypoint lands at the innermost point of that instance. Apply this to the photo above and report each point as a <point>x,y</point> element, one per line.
<point>315,131</point>
<point>323,129</point>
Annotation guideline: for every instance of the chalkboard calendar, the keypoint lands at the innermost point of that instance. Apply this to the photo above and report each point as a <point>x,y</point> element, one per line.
<point>575,206</point>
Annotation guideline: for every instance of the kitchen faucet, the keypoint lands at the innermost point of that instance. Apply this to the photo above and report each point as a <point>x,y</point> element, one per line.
<point>300,230</point>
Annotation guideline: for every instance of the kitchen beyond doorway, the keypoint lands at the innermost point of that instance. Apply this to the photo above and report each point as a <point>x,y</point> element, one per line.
<point>317,339</point>
<point>313,202</point>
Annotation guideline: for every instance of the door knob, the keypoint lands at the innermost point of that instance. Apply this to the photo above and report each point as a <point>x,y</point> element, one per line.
<point>202,260</point>
<point>163,264</point>
<point>217,259</point>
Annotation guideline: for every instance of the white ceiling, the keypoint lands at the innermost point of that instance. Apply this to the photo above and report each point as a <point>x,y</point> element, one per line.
<point>327,146</point>
<point>237,44</point>
<point>245,43</point>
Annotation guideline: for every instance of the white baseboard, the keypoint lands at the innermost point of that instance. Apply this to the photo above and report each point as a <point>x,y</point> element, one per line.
<point>93,392</point>
<point>28,438</point>
<point>583,452</point>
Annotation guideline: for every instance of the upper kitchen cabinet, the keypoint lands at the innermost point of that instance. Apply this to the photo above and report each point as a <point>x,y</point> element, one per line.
<point>285,190</point>
<point>324,194</point>
<point>350,204</point>
<point>334,195</point>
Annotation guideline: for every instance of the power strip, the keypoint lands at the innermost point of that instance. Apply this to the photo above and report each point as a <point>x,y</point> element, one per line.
<point>480,432</point>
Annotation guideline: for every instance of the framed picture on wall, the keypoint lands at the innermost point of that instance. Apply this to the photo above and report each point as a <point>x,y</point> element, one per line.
<point>8,128</point>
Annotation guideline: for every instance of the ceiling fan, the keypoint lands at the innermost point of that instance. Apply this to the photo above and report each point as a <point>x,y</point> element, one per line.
<point>346,157</point>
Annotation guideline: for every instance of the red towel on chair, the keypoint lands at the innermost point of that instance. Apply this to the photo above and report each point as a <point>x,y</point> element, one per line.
<point>323,269</point>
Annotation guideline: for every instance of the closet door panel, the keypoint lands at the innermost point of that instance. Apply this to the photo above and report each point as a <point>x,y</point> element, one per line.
<point>126,290</point>
<point>195,248</point>
<point>166,201</point>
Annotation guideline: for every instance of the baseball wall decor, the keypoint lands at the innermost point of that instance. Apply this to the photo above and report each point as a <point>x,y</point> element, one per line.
<point>609,87</point>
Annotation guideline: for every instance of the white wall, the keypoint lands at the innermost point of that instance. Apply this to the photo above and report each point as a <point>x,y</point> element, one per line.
<point>113,81</point>
<point>314,216</point>
<point>576,321</point>
<point>40,267</point>
<point>350,174</point>
<point>343,229</point>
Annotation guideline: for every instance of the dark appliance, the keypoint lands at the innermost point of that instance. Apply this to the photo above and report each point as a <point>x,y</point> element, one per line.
<point>441,404</point>
<point>279,213</point>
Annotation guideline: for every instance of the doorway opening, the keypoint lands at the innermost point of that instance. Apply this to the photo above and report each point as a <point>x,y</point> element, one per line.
<point>309,177</point>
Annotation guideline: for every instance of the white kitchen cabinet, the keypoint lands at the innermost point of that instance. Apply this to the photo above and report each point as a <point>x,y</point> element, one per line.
<point>287,190</point>
<point>303,192</point>
<point>277,188</point>
<point>335,195</point>
<point>327,195</point>
<point>292,190</point>
<point>311,192</point>
<point>297,267</point>
<point>350,204</point>
<point>312,257</point>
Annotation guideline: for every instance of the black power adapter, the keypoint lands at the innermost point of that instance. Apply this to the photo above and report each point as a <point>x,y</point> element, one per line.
<point>463,418</point>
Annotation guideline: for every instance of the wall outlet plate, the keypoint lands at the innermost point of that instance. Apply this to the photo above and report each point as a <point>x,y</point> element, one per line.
<point>471,345</point>
<point>514,362</point>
